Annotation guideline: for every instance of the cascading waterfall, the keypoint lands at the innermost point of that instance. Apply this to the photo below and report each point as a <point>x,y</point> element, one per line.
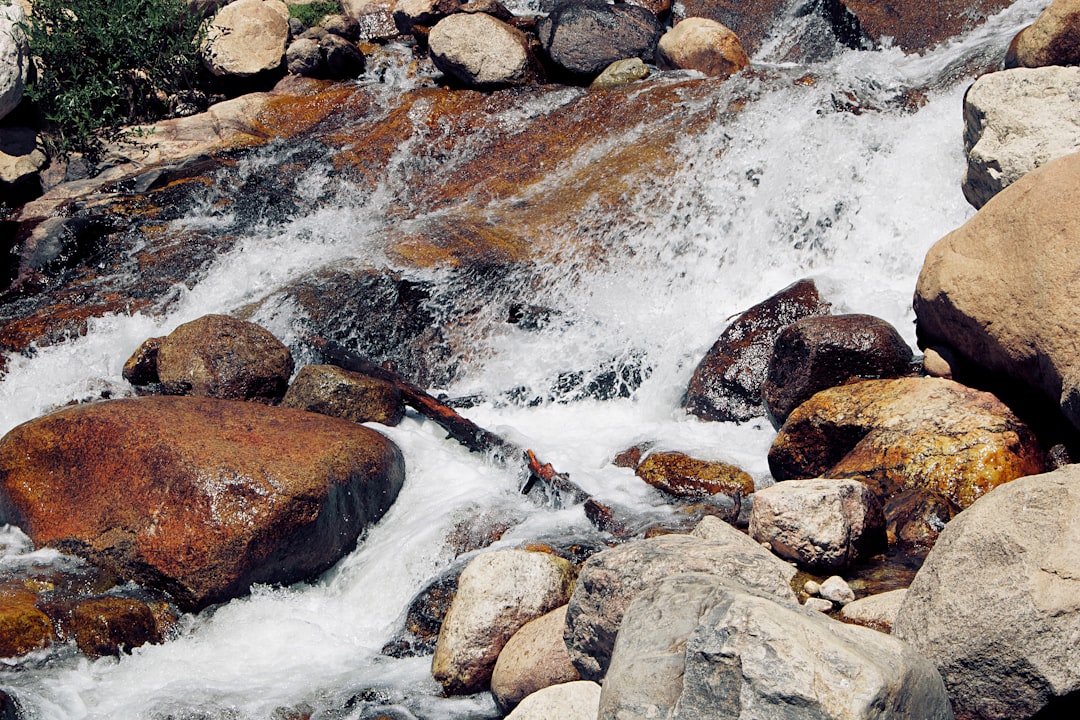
<point>793,186</point>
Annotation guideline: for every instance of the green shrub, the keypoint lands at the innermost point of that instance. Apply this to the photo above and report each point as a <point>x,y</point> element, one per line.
<point>311,14</point>
<point>108,63</point>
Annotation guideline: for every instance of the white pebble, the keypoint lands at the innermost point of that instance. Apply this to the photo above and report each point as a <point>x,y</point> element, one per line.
<point>819,604</point>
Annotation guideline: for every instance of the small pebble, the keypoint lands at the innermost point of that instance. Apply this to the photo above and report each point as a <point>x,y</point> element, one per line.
<point>812,587</point>
<point>819,604</point>
<point>837,590</point>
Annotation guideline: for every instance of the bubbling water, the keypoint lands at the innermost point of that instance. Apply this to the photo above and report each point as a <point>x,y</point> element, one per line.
<point>841,178</point>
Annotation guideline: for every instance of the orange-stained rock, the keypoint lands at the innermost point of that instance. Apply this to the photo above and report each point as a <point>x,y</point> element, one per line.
<point>223,357</point>
<point>683,476</point>
<point>928,433</point>
<point>141,367</point>
<point>23,627</point>
<point>704,45</point>
<point>108,625</point>
<point>330,390</point>
<point>197,497</point>
<point>916,25</point>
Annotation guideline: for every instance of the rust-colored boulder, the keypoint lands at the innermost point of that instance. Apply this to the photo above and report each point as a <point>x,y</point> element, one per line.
<point>680,475</point>
<point>219,356</point>
<point>330,390</point>
<point>197,497</point>
<point>816,353</point>
<point>109,625</point>
<point>916,25</point>
<point>23,627</point>
<point>926,433</point>
<point>727,382</point>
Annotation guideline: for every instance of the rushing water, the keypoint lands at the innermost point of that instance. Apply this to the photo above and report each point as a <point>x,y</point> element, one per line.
<point>791,188</point>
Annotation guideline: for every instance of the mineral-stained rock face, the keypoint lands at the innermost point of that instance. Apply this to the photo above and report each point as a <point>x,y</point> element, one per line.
<point>915,25</point>
<point>927,433</point>
<point>996,605</point>
<point>197,497</point>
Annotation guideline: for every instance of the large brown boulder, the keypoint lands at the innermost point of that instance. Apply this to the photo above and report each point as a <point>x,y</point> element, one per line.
<point>197,497</point>
<point>220,356</point>
<point>1053,39</point>
<point>927,433</point>
<point>999,291</point>
<point>333,391</point>
<point>704,45</point>
<point>726,384</point>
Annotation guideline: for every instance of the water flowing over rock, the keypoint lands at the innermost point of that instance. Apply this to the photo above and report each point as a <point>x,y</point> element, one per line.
<point>14,57</point>
<point>329,390</point>
<point>914,25</point>
<point>533,659</point>
<point>996,605</point>
<point>703,45</point>
<point>246,37</point>
<point>498,593</point>
<point>219,356</point>
<point>480,51</point>
<point>925,433</point>
<point>583,39</point>
<point>697,646</point>
<point>751,21</point>
<point>1053,39</point>
<point>610,580</point>
<point>197,497</point>
<point>727,382</point>
<point>1015,121</point>
<point>996,290</point>
<point>816,353</point>
<point>822,525</point>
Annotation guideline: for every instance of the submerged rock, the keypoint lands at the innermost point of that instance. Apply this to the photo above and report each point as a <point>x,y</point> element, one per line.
<point>726,384</point>
<point>698,646</point>
<point>996,605</point>
<point>197,497</point>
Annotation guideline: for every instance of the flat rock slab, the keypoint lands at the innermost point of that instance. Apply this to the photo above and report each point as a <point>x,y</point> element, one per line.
<point>194,496</point>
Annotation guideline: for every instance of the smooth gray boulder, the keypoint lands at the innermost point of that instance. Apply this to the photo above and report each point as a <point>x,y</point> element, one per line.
<point>1015,121</point>
<point>996,605</point>
<point>480,51</point>
<point>609,580</point>
<point>697,647</point>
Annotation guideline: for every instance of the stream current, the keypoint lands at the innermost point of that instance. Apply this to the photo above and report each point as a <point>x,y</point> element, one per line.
<point>792,187</point>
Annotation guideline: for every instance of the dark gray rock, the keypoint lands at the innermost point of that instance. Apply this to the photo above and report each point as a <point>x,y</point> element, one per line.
<point>584,38</point>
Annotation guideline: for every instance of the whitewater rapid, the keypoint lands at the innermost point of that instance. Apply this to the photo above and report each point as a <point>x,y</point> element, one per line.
<point>792,188</point>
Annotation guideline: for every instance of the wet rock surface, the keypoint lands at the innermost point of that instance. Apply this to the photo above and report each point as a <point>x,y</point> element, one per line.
<point>726,384</point>
<point>199,498</point>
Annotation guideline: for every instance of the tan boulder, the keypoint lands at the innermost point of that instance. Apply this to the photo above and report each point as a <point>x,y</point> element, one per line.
<point>481,51</point>
<point>926,433</point>
<point>220,356</point>
<point>533,659</point>
<point>877,612</point>
<point>999,290</point>
<point>330,390</point>
<point>498,592</point>
<point>246,37</point>
<point>703,45</point>
<point>569,701</point>
<point>197,497</point>
<point>1053,39</point>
